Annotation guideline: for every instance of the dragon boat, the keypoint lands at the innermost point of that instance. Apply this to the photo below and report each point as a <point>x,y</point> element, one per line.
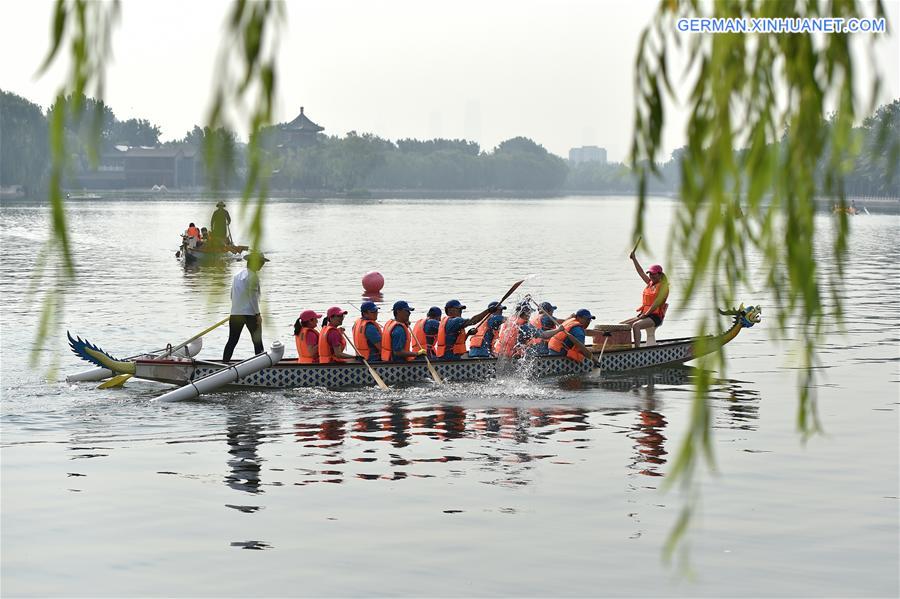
<point>288,373</point>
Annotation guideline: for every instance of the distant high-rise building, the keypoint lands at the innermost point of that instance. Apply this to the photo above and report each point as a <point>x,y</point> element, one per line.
<point>587,154</point>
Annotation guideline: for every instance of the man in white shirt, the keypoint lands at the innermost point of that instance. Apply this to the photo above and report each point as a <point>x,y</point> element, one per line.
<point>245,306</point>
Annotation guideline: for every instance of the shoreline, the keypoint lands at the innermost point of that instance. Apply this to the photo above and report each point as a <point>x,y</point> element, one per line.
<point>394,194</point>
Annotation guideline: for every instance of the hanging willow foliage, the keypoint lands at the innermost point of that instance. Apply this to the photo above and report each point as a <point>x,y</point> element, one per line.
<point>251,41</point>
<point>83,31</point>
<point>767,95</point>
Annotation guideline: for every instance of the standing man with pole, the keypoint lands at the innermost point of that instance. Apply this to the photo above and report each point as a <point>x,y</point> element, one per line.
<point>245,306</point>
<point>220,225</point>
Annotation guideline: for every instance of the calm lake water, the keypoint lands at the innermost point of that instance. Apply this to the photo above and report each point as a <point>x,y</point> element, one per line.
<point>512,487</point>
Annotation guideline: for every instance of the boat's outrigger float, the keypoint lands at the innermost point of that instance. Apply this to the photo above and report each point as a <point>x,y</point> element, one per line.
<point>269,370</point>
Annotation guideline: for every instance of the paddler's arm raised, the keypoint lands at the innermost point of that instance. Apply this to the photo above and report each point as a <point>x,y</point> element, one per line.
<point>637,267</point>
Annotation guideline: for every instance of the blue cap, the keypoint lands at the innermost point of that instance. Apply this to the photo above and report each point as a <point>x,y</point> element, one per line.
<point>454,304</point>
<point>495,321</point>
<point>496,306</point>
<point>523,307</point>
<point>401,305</point>
<point>585,313</point>
<point>434,312</point>
<point>547,307</point>
<point>368,307</point>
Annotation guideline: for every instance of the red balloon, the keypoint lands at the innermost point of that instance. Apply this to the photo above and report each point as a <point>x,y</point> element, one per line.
<point>372,282</point>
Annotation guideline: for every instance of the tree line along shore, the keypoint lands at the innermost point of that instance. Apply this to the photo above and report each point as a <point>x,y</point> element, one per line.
<point>316,165</point>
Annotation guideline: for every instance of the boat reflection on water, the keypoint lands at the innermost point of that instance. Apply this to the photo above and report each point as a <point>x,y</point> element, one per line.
<point>244,435</point>
<point>404,438</point>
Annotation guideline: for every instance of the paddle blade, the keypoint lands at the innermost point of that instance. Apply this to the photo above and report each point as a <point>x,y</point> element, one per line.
<point>377,378</point>
<point>116,381</point>
<point>434,372</point>
<point>636,244</point>
<point>511,290</point>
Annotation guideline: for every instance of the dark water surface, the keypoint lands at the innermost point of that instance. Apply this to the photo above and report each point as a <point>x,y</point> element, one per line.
<point>510,487</point>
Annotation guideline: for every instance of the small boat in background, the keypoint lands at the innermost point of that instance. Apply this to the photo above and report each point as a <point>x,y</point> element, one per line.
<point>84,196</point>
<point>194,253</point>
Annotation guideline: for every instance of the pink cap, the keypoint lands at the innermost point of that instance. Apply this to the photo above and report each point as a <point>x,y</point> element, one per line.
<point>334,311</point>
<point>309,315</point>
<point>655,269</point>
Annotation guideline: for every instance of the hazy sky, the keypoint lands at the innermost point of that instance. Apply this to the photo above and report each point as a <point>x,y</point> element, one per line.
<point>557,71</point>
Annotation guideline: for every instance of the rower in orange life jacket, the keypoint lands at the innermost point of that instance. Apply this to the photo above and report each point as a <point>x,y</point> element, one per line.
<point>653,302</point>
<point>396,338</point>
<point>331,340</point>
<point>570,341</point>
<point>481,343</point>
<point>306,337</point>
<point>367,332</point>
<point>451,337</point>
<point>518,336</point>
<point>425,331</point>
<point>543,319</point>
<point>193,231</point>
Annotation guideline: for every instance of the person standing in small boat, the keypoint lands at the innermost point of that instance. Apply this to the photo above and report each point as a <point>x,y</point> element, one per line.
<point>245,306</point>
<point>331,340</point>
<point>451,337</point>
<point>396,338</point>
<point>653,302</point>
<point>570,341</point>
<point>219,224</point>
<point>425,330</point>
<point>367,332</point>
<point>306,337</point>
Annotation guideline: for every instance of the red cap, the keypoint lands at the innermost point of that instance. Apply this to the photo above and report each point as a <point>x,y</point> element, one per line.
<point>309,315</point>
<point>655,269</point>
<point>334,311</point>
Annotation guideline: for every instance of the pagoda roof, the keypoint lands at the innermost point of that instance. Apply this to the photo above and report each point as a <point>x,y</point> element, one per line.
<point>302,123</point>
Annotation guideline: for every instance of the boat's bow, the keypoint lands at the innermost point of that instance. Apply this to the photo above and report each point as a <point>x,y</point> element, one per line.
<point>744,318</point>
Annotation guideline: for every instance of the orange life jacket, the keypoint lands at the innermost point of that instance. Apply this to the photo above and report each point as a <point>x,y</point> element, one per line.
<point>387,351</point>
<point>651,291</point>
<point>420,338</point>
<point>507,342</point>
<point>304,353</point>
<point>477,339</point>
<point>359,336</point>
<point>193,232</point>
<point>440,346</point>
<point>326,355</point>
<point>557,341</point>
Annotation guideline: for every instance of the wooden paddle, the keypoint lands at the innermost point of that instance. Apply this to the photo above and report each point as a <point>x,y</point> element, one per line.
<point>502,299</point>
<point>119,380</point>
<point>374,374</point>
<point>636,244</point>
<point>431,368</point>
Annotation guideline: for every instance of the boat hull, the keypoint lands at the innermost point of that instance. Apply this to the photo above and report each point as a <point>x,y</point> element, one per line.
<point>289,374</point>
